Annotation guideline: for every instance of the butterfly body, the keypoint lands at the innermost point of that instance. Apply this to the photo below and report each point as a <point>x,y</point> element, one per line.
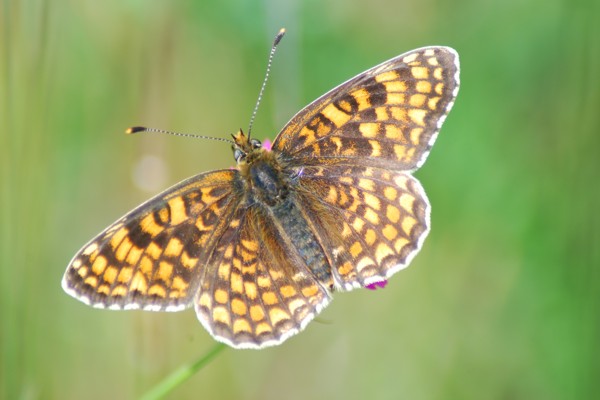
<point>259,250</point>
<point>272,189</point>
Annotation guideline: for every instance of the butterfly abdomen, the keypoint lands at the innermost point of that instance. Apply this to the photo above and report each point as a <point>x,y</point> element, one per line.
<point>304,241</point>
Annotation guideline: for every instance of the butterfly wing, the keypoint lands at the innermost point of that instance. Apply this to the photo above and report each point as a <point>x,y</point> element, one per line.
<point>371,221</point>
<point>388,116</point>
<point>257,290</point>
<point>152,258</point>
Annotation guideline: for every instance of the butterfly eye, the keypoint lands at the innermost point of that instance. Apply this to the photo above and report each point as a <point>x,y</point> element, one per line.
<point>255,143</point>
<point>238,155</point>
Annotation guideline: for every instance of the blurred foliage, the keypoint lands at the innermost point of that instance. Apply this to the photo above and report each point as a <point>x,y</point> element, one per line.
<point>503,300</point>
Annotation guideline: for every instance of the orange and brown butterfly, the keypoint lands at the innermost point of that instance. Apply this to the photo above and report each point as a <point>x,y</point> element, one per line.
<point>259,250</point>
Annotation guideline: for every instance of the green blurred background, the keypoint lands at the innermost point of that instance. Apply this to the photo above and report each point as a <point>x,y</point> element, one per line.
<point>501,303</point>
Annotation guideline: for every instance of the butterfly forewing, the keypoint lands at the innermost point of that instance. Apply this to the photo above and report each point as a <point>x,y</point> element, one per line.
<point>388,116</point>
<point>152,258</point>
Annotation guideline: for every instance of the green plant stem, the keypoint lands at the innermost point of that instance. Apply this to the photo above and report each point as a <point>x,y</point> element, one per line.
<point>181,375</point>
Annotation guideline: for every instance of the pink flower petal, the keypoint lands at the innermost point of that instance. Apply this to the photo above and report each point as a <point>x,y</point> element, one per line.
<point>377,285</point>
<point>267,144</point>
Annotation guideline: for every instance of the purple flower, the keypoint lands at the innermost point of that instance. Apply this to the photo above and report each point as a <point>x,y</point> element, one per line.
<point>377,285</point>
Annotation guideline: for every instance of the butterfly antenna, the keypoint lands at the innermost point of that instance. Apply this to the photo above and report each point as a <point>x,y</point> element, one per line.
<point>138,129</point>
<point>262,89</point>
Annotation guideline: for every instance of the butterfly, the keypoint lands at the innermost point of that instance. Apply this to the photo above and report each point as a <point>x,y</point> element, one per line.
<point>259,250</point>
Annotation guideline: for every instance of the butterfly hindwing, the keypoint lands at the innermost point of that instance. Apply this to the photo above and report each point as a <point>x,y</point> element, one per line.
<point>257,290</point>
<point>377,220</point>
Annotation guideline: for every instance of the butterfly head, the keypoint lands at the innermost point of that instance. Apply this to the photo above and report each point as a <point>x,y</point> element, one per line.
<point>245,149</point>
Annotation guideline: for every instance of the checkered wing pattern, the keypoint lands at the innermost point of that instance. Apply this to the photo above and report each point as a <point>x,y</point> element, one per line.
<point>372,221</point>
<point>258,290</point>
<point>153,257</point>
<point>388,116</point>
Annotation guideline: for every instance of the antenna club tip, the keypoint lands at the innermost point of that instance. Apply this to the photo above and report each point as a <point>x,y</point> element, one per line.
<point>279,36</point>
<point>134,129</point>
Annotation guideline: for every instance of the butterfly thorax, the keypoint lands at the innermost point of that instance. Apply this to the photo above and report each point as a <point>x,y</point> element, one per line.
<point>262,173</point>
